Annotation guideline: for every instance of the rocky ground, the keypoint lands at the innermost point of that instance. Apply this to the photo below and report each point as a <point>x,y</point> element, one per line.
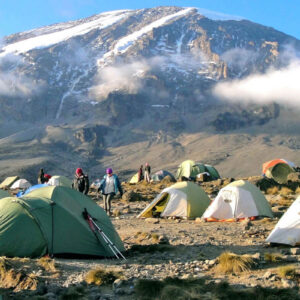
<point>160,248</point>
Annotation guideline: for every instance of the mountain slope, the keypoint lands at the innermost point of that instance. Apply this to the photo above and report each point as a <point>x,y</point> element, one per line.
<point>93,91</point>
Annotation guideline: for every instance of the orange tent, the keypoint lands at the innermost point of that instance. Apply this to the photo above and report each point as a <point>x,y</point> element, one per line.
<point>269,164</point>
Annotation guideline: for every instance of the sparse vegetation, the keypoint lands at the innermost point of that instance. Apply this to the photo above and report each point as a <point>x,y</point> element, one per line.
<point>272,191</point>
<point>273,257</point>
<point>179,289</point>
<point>102,276</point>
<point>232,263</point>
<point>288,272</point>
<point>48,264</point>
<point>284,191</point>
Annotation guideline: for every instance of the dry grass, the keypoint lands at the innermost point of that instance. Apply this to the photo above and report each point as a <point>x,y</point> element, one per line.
<point>284,191</point>
<point>102,276</point>
<point>288,272</point>
<point>47,264</point>
<point>116,212</point>
<point>272,191</point>
<point>273,257</point>
<point>233,263</point>
<point>297,191</point>
<point>16,280</point>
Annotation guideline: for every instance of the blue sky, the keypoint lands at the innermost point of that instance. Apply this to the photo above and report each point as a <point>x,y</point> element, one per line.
<point>21,15</point>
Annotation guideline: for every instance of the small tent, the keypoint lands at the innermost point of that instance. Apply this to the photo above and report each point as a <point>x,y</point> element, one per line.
<point>20,184</point>
<point>239,199</point>
<point>8,181</point>
<point>160,175</point>
<point>182,199</point>
<point>278,169</point>
<point>4,194</point>
<point>60,181</point>
<point>49,220</point>
<point>287,230</point>
<point>134,178</point>
<point>191,169</point>
<point>32,188</point>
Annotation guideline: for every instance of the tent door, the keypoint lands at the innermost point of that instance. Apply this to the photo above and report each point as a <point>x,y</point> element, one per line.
<point>160,205</point>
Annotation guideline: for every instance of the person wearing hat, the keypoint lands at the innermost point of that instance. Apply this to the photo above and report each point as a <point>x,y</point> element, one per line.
<point>147,172</point>
<point>109,187</point>
<point>81,182</point>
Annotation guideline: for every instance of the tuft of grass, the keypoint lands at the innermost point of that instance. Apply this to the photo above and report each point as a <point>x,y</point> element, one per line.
<point>155,236</point>
<point>116,212</point>
<point>297,191</point>
<point>284,191</point>
<point>288,272</point>
<point>47,264</point>
<point>272,191</point>
<point>233,263</point>
<point>273,257</point>
<point>101,276</point>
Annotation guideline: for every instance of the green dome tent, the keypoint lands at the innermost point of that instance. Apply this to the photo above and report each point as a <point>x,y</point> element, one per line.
<point>182,199</point>
<point>189,168</point>
<point>50,220</point>
<point>4,194</point>
<point>160,175</point>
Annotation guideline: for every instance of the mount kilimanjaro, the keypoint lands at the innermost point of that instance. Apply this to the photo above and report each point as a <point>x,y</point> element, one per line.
<point>124,87</point>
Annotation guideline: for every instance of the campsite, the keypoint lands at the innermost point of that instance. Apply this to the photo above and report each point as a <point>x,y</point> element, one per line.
<point>178,248</point>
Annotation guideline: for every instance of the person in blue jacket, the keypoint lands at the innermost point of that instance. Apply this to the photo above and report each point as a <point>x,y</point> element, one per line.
<point>109,187</point>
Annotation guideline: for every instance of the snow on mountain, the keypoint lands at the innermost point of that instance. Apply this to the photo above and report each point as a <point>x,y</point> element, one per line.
<point>127,41</point>
<point>45,40</point>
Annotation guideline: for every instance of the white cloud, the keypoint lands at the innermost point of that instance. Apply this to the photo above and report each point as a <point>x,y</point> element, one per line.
<point>281,86</point>
<point>12,81</point>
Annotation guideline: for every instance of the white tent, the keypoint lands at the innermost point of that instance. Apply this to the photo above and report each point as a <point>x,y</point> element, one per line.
<point>58,180</point>
<point>238,200</point>
<point>21,184</point>
<point>287,230</point>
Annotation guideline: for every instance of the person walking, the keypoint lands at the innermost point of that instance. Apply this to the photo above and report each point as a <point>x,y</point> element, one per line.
<point>81,182</point>
<point>147,172</point>
<point>41,177</point>
<point>109,187</point>
<point>140,173</point>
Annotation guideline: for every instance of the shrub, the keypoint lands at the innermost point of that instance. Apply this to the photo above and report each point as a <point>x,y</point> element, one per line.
<point>272,191</point>
<point>233,263</point>
<point>102,276</point>
<point>284,191</point>
<point>273,257</point>
<point>288,272</point>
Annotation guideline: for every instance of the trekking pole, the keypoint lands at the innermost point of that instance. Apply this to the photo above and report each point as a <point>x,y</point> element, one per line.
<point>108,241</point>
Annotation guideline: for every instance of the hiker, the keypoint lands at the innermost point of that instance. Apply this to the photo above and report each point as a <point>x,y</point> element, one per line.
<point>47,177</point>
<point>140,174</point>
<point>81,182</point>
<point>147,172</point>
<point>41,177</point>
<point>109,187</point>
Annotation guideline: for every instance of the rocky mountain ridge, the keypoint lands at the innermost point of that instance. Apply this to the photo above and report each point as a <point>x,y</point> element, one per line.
<point>130,79</point>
